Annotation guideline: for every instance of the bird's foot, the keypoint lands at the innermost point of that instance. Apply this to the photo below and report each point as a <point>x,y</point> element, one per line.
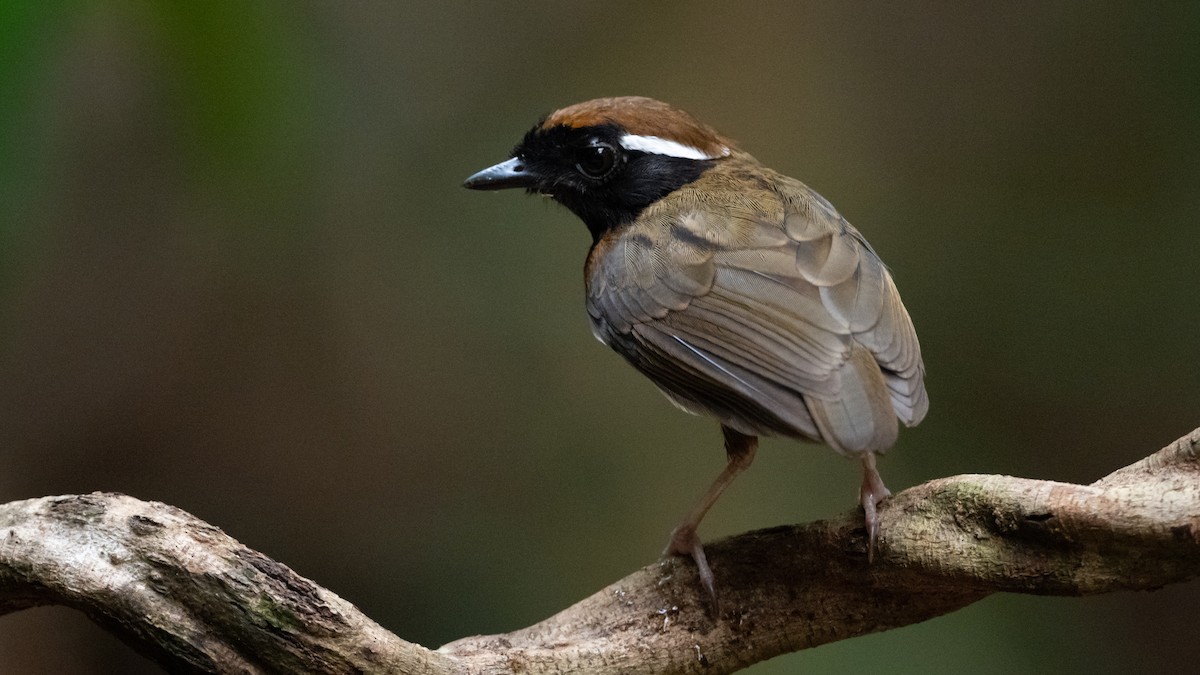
<point>872,492</point>
<point>685,542</point>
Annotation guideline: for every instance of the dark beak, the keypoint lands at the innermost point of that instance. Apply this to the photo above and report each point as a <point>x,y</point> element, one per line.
<point>507,174</point>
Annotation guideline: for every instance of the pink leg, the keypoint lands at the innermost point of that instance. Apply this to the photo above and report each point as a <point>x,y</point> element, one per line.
<point>739,448</point>
<point>872,492</point>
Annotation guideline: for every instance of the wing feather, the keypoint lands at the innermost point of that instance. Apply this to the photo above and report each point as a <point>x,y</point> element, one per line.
<point>703,382</point>
<point>767,310</point>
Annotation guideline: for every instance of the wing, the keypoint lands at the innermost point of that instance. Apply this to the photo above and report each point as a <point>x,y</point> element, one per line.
<point>766,310</point>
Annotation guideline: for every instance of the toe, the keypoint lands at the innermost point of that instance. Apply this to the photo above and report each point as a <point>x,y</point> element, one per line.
<point>684,542</point>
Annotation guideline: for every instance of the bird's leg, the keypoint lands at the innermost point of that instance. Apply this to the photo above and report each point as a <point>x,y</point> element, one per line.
<point>872,492</point>
<point>739,448</point>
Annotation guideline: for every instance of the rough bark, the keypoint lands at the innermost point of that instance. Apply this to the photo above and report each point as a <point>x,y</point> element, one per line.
<point>193,598</point>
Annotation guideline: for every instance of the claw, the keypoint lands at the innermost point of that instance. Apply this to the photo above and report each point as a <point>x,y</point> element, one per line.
<point>872,492</point>
<point>685,542</point>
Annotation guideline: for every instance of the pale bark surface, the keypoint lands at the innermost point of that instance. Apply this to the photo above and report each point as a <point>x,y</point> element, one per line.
<point>188,595</point>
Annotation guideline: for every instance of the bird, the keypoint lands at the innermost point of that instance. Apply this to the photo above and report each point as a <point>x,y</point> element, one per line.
<point>741,293</point>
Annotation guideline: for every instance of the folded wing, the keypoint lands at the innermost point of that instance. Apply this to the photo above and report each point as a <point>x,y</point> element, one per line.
<point>769,312</point>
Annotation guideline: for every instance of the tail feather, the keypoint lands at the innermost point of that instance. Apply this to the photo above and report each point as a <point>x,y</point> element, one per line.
<point>861,419</point>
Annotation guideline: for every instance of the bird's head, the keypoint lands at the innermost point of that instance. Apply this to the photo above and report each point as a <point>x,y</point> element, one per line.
<point>609,158</point>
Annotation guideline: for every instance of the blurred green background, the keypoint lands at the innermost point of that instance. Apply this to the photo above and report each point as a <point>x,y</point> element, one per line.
<point>238,275</point>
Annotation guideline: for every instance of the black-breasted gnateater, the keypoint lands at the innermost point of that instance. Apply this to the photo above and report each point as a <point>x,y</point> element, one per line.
<point>741,293</point>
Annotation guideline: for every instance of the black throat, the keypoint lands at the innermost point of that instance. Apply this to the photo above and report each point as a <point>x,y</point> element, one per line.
<point>646,179</point>
<point>639,180</point>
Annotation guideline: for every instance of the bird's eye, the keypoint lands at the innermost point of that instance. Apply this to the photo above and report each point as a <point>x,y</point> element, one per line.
<point>597,160</point>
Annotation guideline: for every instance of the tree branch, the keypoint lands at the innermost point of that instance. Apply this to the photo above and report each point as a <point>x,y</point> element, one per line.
<point>191,597</point>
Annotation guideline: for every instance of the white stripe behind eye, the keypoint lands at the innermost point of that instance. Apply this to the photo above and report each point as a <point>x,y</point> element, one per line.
<point>661,146</point>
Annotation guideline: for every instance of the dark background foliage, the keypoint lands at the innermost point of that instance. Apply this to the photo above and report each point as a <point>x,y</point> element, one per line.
<point>238,275</point>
